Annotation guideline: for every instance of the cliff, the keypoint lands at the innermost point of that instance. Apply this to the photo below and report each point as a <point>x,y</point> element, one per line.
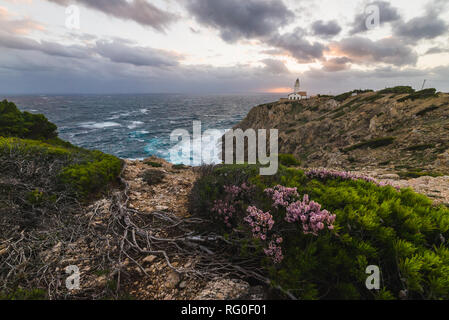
<point>395,129</point>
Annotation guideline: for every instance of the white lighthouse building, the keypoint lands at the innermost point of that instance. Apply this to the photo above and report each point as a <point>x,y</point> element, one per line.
<point>297,94</point>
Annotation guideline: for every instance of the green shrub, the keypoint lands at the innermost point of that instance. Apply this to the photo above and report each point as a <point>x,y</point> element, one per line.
<point>82,171</point>
<point>93,174</point>
<point>14,123</point>
<point>399,231</point>
<point>375,143</point>
<point>423,94</point>
<point>373,98</point>
<point>153,176</point>
<point>153,164</point>
<point>288,160</point>
<point>420,147</point>
<point>427,110</point>
<point>398,90</point>
<point>418,174</point>
<point>23,294</point>
<point>342,97</point>
<point>179,166</point>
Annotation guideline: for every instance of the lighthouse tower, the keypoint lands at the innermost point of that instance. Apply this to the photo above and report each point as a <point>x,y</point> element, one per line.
<point>296,90</point>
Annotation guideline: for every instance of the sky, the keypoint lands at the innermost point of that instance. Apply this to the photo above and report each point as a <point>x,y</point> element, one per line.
<point>221,46</point>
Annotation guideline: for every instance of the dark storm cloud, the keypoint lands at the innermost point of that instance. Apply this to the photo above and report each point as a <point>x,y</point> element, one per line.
<point>425,27</point>
<point>237,19</point>
<point>321,28</point>
<point>296,45</point>
<point>140,11</point>
<point>139,56</point>
<point>387,14</point>
<point>365,51</point>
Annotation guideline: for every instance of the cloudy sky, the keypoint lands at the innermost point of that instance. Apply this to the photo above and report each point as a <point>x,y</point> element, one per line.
<point>221,46</point>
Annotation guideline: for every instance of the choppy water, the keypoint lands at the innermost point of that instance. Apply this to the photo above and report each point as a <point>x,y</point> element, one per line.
<point>137,126</point>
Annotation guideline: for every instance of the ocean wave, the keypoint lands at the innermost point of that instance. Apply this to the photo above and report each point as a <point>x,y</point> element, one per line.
<point>135,124</point>
<point>99,125</point>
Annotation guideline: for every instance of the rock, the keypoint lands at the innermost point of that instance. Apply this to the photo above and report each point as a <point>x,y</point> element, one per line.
<point>172,280</point>
<point>149,259</point>
<point>224,289</point>
<point>390,176</point>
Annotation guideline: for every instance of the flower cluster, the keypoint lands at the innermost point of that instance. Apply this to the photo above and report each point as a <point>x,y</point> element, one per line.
<point>344,175</point>
<point>282,196</point>
<point>274,249</point>
<point>224,209</point>
<point>260,222</point>
<point>311,216</point>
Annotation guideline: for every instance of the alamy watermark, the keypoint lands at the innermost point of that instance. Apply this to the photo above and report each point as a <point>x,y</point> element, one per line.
<point>373,280</point>
<point>207,146</point>
<point>372,20</point>
<point>73,280</point>
<point>72,20</point>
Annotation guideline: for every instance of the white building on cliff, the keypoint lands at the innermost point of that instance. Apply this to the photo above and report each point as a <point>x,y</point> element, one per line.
<point>297,94</point>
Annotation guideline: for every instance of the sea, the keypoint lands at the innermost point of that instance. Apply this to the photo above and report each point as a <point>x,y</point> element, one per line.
<point>139,126</point>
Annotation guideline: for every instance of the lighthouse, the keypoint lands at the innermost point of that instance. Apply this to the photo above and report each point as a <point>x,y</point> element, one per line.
<point>297,95</point>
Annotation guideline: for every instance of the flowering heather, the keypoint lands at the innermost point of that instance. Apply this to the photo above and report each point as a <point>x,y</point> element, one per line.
<point>311,216</point>
<point>224,209</point>
<point>344,175</point>
<point>260,222</point>
<point>274,249</point>
<point>282,196</point>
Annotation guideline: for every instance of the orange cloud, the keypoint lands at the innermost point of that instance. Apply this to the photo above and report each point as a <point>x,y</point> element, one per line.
<point>278,90</point>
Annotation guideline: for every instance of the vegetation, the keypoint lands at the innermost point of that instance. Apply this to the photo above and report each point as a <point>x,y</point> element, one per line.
<point>153,176</point>
<point>288,160</point>
<point>179,166</point>
<point>342,97</point>
<point>423,94</point>
<point>153,164</point>
<point>373,98</point>
<point>374,143</point>
<point>418,174</point>
<point>23,294</point>
<point>399,231</point>
<point>421,147</point>
<point>427,110</point>
<point>14,123</point>
<point>398,90</point>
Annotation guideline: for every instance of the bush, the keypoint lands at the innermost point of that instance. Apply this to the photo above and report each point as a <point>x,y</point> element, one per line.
<point>288,160</point>
<point>153,176</point>
<point>418,174</point>
<point>179,166</point>
<point>342,97</point>
<point>399,231</point>
<point>14,123</point>
<point>420,147</point>
<point>79,170</point>
<point>153,164</point>
<point>375,143</point>
<point>398,90</point>
<point>427,110</point>
<point>93,175</point>
<point>423,94</point>
<point>23,294</point>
